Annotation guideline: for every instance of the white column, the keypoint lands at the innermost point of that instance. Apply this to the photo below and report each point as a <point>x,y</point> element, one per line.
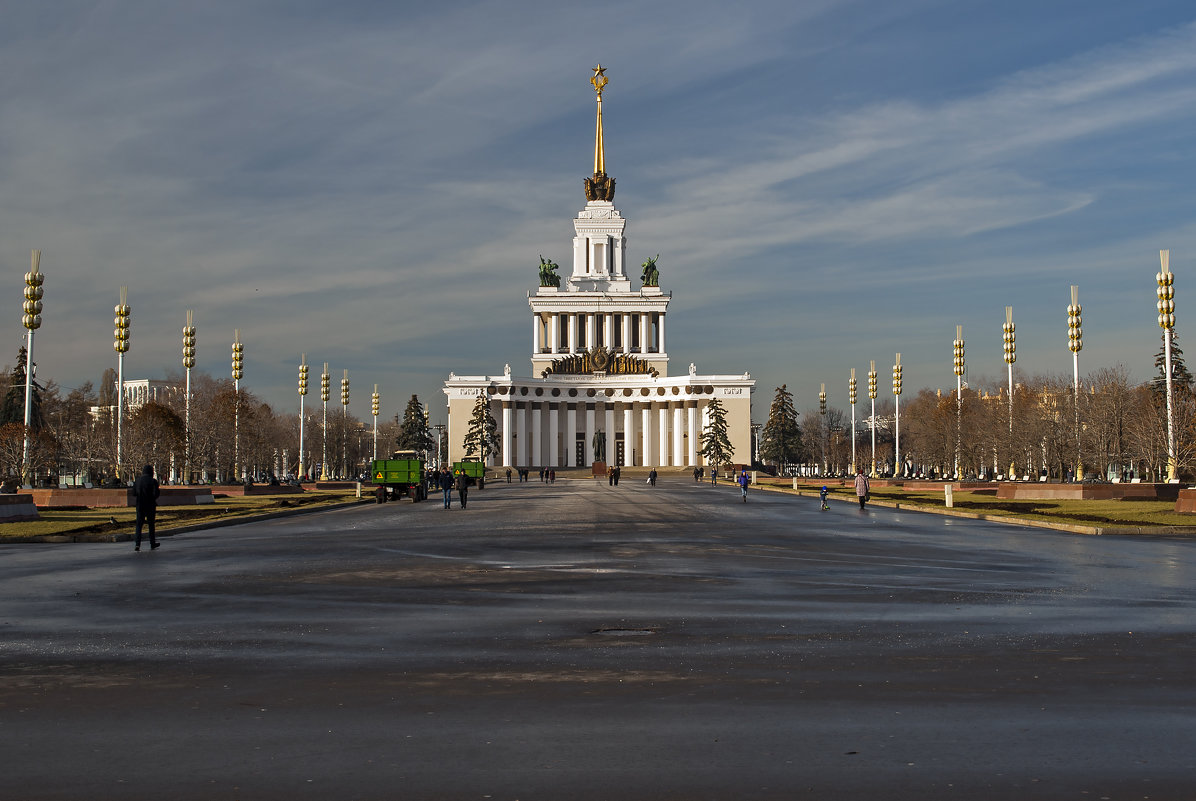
<point>588,448</point>
<point>506,434</point>
<point>573,333</point>
<point>591,339</point>
<point>571,435</point>
<point>629,444</point>
<point>646,430</point>
<point>521,434</point>
<point>691,408</point>
<point>535,333</point>
<point>555,333</point>
<point>679,436</point>
<point>553,460</point>
<point>644,317</point>
<point>663,423</point>
<point>626,320</point>
<point>608,330</point>
<point>537,457</point>
<point>705,422</point>
<point>610,430</point>
<point>660,334</point>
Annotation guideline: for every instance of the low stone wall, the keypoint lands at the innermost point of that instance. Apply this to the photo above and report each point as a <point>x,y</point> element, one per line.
<point>1186,501</point>
<point>17,507</point>
<point>103,497</point>
<point>240,490</point>
<point>1088,492</point>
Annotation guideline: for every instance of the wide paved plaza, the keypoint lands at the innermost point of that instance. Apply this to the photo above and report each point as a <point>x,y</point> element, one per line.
<point>579,641</point>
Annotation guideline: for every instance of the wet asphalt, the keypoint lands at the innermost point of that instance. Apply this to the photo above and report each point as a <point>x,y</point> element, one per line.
<point>578,641</point>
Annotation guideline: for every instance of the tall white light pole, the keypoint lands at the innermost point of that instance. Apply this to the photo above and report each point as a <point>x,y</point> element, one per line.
<point>344,424</point>
<point>32,320</point>
<point>325,386</point>
<point>822,414</point>
<point>851,385</point>
<point>1074,344</point>
<point>121,346</point>
<point>188,363</point>
<point>872,395</point>
<point>302,393</point>
<point>959,368</point>
<point>1010,357</point>
<point>374,401</point>
<point>897,415</point>
<point>238,362</point>
<point>1166,306</point>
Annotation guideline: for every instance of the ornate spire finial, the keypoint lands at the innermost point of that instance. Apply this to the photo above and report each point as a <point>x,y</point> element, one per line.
<point>600,187</point>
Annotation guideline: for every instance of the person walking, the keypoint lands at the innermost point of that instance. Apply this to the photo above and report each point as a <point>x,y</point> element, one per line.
<point>861,486</point>
<point>713,476</point>
<point>446,486</point>
<point>652,477</point>
<point>610,476</point>
<point>145,492</point>
<point>462,487</point>
<point>508,475</point>
<point>618,470</point>
<point>743,482</point>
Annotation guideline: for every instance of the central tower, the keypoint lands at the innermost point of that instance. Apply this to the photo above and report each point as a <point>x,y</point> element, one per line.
<point>596,305</point>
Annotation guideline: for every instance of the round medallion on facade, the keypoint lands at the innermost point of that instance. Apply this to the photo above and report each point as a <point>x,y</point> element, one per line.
<point>644,390</point>
<point>555,392</point>
<point>660,390</point>
<point>523,390</point>
<point>676,390</point>
<point>609,392</point>
<point>626,392</point>
<point>591,393</point>
<point>573,393</point>
<point>492,390</point>
<point>539,390</point>
<point>709,389</point>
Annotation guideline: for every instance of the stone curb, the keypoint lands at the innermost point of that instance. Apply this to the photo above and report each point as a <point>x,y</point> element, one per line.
<point>170,532</point>
<point>1073,528</point>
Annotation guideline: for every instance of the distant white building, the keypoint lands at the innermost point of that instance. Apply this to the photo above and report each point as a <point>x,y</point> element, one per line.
<point>141,391</point>
<point>600,363</point>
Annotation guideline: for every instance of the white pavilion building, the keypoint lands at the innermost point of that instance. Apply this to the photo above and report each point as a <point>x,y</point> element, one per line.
<point>600,388</point>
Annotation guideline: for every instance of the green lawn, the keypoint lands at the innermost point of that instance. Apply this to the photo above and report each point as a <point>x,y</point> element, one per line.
<point>1091,513</point>
<point>99,522</point>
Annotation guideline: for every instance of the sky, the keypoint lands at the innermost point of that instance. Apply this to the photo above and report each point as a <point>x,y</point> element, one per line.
<point>372,183</point>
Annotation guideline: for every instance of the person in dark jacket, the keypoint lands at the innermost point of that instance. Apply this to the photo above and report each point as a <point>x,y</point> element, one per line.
<point>446,486</point>
<point>462,487</point>
<point>145,491</point>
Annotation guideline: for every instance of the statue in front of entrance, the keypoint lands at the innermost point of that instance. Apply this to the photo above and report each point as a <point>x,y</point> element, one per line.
<point>548,276</point>
<point>651,274</point>
<point>600,446</point>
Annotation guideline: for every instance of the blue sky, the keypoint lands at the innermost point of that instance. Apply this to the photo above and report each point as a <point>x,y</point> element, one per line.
<point>372,183</point>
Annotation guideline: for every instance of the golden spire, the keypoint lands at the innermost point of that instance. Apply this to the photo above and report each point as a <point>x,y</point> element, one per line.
<point>599,82</point>
<point>600,187</point>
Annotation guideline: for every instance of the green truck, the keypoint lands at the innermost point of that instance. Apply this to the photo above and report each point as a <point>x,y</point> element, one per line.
<point>475,470</point>
<point>403,474</point>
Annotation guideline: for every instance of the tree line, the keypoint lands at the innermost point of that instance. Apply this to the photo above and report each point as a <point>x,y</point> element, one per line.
<point>234,435</point>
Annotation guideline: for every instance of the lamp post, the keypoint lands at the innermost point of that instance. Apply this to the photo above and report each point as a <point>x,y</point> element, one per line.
<point>32,320</point>
<point>344,423</point>
<point>440,427</point>
<point>302,394</point>
<point>238,361</point>
<point>325,385</point>
<point>188,363</point>
<point>872,397</point>
<point>851,387</point>
<point>374,399</point>
<point>1074,344</point>
<point>121,346</point>
<point>822,413</point>
<point>897,414</point>
<point>1010,357</point>
<point>1166,306</point>
<point>959,368</point>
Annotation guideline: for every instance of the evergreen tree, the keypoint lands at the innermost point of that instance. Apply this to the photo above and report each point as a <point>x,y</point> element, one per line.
<point>780,441</point>
<point>12,407</point>
<point>1181,379</point>
<point>716,445</point>
<point>413,432</point>
<point>482,437</point>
